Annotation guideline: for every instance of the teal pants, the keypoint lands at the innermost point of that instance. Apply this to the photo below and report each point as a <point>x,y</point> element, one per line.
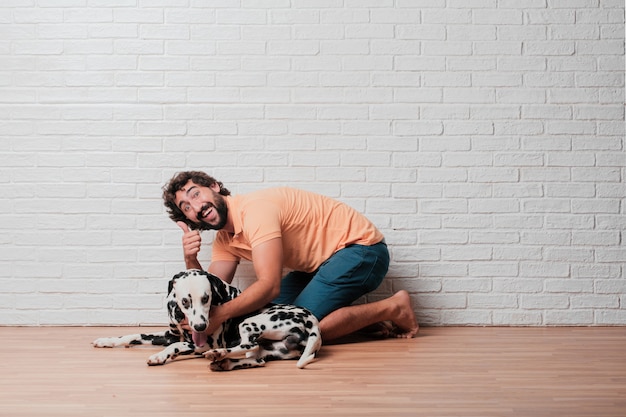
<point>347,275</point>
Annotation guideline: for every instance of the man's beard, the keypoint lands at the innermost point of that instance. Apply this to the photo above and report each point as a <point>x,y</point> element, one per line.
<point>222,212</point>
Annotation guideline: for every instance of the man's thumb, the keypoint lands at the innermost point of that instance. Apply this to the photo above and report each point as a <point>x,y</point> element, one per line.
<point>183,226</point>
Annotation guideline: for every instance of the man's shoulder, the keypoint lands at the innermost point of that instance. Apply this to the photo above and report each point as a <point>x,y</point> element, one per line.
<point>273,194</point>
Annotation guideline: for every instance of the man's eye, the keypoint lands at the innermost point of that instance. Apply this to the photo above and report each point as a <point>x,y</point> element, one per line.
<point>195,194</point>
<point>186,207</point>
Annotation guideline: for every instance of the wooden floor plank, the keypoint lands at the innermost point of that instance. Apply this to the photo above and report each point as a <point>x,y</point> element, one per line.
<point>446,371</point>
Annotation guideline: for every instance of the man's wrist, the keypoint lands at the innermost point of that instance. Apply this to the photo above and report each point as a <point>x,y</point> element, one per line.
<point>192,263</point>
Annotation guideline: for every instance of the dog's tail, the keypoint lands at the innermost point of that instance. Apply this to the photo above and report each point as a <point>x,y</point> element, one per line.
<point>313,344</point>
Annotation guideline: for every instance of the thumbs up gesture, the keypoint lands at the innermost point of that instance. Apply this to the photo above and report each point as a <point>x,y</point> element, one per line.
<point>191,245</point>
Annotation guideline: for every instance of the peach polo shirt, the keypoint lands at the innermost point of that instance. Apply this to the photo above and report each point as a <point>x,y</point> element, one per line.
<point>312,227</point>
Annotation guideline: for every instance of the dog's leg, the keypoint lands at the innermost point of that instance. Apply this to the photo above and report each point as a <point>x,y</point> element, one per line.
<point>237,352</point>
<point>172,351</point>
<point>215,355</point>
<point>159,339</point>
<point>245,355</point>
<point>233,364</point>
<point>247,348</point>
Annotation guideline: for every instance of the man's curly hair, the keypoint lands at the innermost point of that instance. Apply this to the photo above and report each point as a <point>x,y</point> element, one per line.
<point>177,183</point>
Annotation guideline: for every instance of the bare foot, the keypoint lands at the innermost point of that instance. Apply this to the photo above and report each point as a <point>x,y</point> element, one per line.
<point>406,325</point>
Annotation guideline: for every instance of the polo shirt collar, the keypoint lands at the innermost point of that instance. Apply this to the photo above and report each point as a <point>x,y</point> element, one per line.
<point>233,212</point>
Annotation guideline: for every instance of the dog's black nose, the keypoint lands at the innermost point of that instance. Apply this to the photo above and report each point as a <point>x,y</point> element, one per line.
<point>200,327</point>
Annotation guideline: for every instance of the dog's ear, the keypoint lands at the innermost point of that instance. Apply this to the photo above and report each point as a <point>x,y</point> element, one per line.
<point>221,291</point>
<point>170,285</point>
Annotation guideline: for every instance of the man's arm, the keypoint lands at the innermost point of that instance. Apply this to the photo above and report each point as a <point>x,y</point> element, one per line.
<point>267,259</point>
<point>191,246</point>
<point>225,270</point>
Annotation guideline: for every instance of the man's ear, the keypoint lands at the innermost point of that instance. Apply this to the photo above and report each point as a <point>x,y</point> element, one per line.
<point>215,187</point>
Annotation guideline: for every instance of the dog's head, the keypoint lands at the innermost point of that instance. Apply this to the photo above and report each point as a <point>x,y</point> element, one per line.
<point>192,291</point>
<point>191,295</point>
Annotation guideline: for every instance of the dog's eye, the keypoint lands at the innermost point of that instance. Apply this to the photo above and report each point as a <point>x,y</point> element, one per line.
<point>205,299</point>
<point>185,302</point>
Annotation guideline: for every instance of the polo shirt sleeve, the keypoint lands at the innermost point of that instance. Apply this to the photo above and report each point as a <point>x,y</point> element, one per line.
<point>220,249</point>
<point>261,222</point>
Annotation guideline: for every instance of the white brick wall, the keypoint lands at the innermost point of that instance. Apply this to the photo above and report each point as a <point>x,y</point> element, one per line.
<point>484,137</point>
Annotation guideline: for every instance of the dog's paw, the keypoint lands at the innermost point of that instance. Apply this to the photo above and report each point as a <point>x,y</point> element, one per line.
<point>215,354</point>
<point>105,342</point>
<point>220,366</point>
<point>158,359</point>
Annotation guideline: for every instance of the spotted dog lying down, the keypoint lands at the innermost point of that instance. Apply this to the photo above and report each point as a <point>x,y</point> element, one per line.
<point>272,333</point>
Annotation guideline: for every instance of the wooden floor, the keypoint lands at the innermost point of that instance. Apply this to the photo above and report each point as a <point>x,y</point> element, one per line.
<point>446,371</point>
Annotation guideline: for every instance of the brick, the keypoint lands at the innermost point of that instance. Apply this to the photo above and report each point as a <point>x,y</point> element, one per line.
<point>544,270</point>
<point>610,317</point>
<point>598,206</point>
<point>493,269</point>
<point>568,318</point>
<point>466,221</point>
<point>474,285</point>
<point>569,286</point>
<point>596,271</point>
<point>586,301</point>
<point>494,206</point>
<point>518,253</point>
<point>516,285</point>
<point>517,318</point>
<point>542,301</point>
<point>611,255</point>
<point>475,253</point>
<point>443,206</point>
<point>496,301</point>
<point>466,317</point>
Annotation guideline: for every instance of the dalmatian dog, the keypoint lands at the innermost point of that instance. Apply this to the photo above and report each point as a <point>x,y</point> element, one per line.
<point>275,332</point>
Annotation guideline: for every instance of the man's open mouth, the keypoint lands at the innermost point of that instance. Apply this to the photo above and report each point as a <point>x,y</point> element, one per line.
<point>206,211</point>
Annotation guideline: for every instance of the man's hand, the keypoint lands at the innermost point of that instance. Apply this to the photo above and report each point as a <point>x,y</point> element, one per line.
<point>191,246</point>
<point>215,320</point>
<point>184,323</point>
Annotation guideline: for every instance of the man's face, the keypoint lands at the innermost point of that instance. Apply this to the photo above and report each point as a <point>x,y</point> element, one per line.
<point>203,206</point>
